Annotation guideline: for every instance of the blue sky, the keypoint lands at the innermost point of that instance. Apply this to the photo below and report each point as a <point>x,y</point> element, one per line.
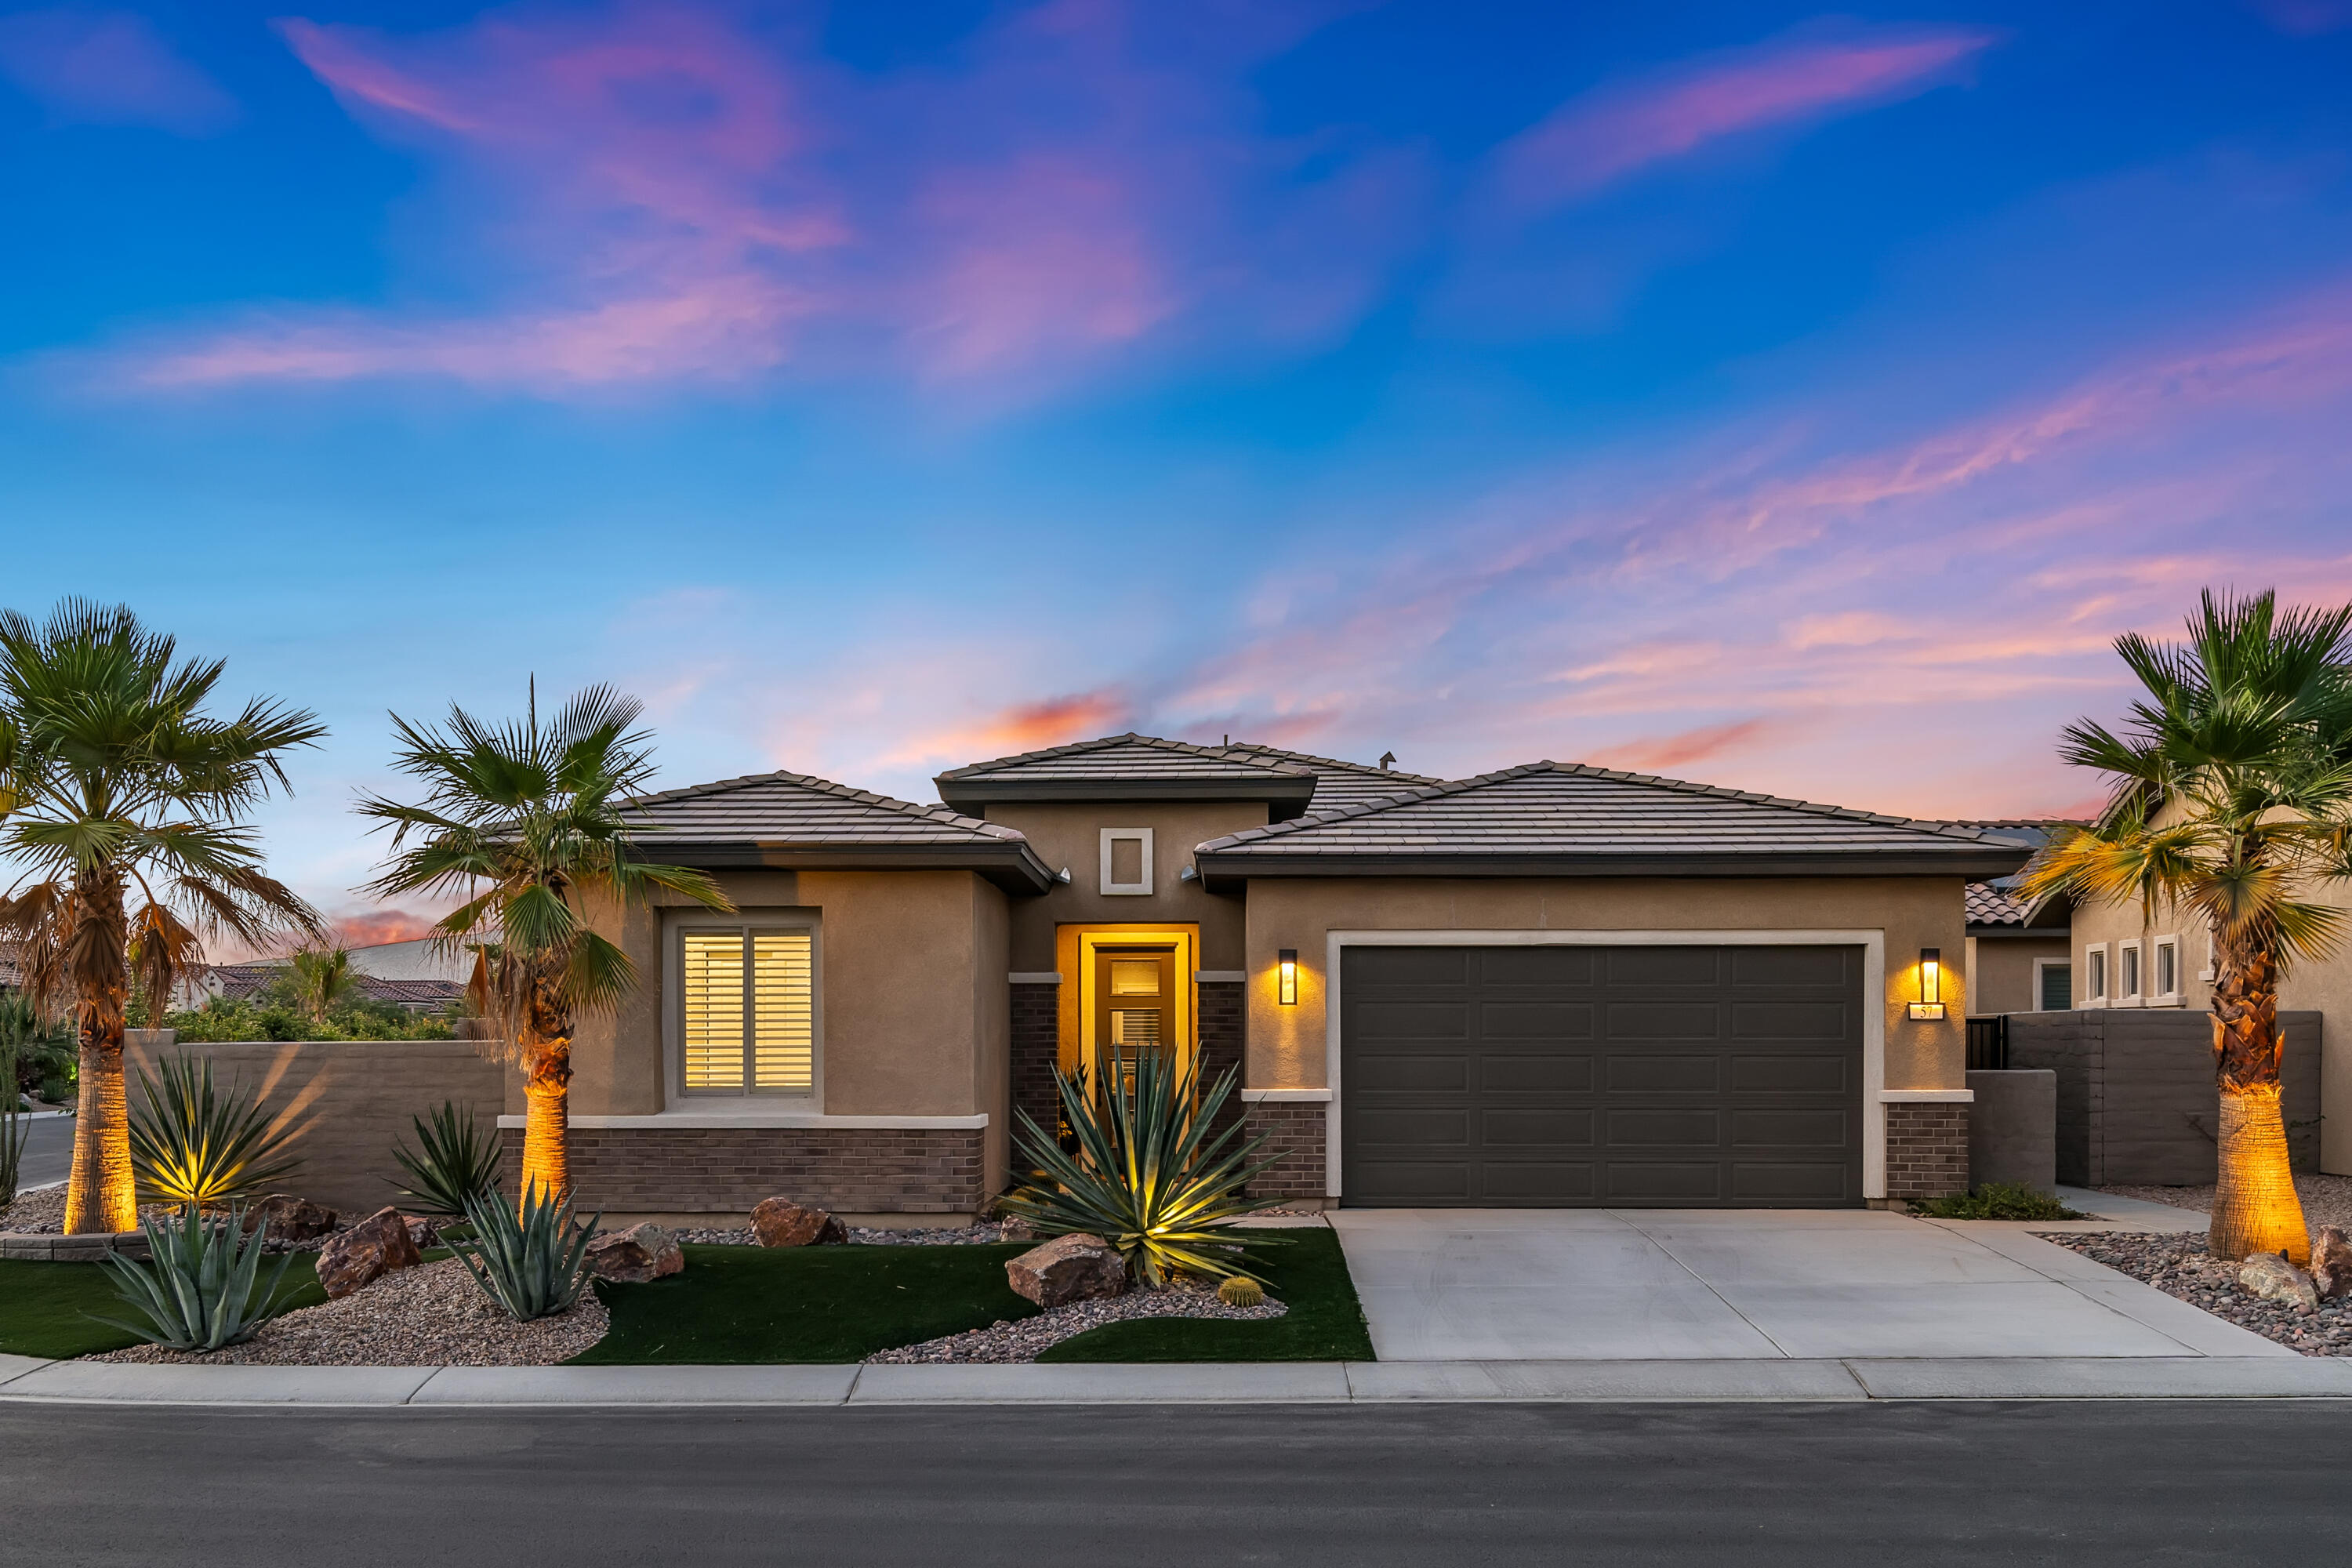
<point>1794,400</point>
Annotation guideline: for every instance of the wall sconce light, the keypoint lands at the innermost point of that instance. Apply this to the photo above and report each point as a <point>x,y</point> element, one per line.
<point>1930,1005</point>
<point>1286,981</point>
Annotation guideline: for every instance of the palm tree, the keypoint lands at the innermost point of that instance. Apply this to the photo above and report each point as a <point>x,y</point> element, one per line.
<point>321,976</point>
<point>2233,797</point>
<point>123,807</point>
<point>532,827</point>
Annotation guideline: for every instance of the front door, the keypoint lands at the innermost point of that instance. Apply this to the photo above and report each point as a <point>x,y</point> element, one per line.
<point>1135,1005</point>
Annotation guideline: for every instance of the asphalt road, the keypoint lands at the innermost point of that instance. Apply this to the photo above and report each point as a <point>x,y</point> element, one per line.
<point>2083,1484</point>
<point>49,1152</point>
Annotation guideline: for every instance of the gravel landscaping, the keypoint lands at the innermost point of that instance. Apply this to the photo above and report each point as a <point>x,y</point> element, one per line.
<point>863,1236</point>
<point>2326,1200</point>
<point>2178,1265</point>
<point>1025,1340</point>
<point>41,1213</point>
<point>432,1315</point>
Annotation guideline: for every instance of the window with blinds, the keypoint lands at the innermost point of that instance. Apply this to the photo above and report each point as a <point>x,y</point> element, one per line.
<point>748,1003</point>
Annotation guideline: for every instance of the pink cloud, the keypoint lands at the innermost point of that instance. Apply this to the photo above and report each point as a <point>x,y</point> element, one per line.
<point>1613,131</point>
<point>108,68</point>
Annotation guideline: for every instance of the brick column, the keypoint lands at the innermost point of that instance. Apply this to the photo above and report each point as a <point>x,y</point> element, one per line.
<point>1926,1149</point>
<point>1294,1141</point>
<point>1220,1044</point>
<point>1036,1053</point>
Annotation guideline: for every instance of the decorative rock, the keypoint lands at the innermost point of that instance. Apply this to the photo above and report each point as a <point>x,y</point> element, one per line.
<point>2331,1263</point>
<point>1077,1268</point>
<point>361,1255</point>
<point>636,1255</point>
<point>780,1222</point>
<point>1016,1228</point>
<point>421,1232</point>
<point>2274,1279</point>
<point>290,1218</point>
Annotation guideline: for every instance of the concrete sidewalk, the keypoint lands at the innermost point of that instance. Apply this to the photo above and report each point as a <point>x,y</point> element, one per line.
<point>1737,1380</point>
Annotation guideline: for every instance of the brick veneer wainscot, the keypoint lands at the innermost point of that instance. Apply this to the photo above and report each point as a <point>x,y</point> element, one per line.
<point>727,1170</point>
<point>1220,1028</point>
<point>1036,1053</point>
<point>1294,1141</point>
<point>1926,1149</point>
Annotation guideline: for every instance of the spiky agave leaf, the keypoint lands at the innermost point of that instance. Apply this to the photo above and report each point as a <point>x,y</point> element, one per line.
<point>197,1145</point>
<point>201,1288</point>
<point>533,1263</point>
<point>454,1163</point>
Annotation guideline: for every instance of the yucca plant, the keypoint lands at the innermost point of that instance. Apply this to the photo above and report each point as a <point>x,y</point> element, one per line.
<point>203,1289</point>
<point>1151,1174</point>
<point>200,1146</point>
<point>454,1163</point>
<point>533,1264</point>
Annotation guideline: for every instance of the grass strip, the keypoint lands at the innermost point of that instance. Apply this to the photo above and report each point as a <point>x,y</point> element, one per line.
<point>1325,1323</point>
<point>758,1305</point>
<point>44,1306</point>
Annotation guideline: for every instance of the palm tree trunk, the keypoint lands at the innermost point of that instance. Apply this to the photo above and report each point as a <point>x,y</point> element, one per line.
<point>546,1095</point>
<point>2256,1208</point>
<point>101,1194</point>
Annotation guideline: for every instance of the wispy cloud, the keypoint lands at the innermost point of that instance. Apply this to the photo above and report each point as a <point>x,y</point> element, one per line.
<point>1616,130</point>
<point>87,65</point>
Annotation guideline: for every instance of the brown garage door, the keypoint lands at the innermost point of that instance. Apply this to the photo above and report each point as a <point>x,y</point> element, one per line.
<point>1556,1077</point>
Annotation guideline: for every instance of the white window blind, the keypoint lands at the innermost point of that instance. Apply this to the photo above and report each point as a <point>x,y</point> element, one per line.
<point>749,1012</point>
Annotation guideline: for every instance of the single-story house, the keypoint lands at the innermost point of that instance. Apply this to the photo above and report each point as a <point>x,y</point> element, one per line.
<point>1550,986</point>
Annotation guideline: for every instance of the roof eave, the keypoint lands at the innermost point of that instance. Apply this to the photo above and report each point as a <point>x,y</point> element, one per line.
<point>1971,862</point>
<point>1011,865</point>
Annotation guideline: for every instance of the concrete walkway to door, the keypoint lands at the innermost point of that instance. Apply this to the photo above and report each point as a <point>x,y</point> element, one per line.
<point>1680,1284</point>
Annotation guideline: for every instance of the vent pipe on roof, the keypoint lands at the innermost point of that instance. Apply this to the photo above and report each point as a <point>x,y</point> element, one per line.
<point>1388,760</point>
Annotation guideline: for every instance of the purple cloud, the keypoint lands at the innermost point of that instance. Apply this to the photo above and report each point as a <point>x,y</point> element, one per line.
<point>108,68</point>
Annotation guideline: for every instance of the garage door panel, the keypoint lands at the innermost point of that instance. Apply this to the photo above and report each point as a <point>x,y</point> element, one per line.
<point>1535,1076</point>
<point>1536,1129</point>
<point>1534,966</point>
<point>1536,1020</point>
<point>1683,1073</point>
<point>1560,1073</point>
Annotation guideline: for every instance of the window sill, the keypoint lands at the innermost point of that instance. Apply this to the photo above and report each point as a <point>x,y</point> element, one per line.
<point>687,1120</point>
<point>2174,1001</point>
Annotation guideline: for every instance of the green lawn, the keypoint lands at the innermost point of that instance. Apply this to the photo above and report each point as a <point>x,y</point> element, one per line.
<point>735,1305</point>
<point>44,1306</point>
<point>1325,1322</point>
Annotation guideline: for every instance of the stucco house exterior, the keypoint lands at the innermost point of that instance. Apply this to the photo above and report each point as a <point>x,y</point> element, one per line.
<point>2021,951</point>
<point>1550,986</point>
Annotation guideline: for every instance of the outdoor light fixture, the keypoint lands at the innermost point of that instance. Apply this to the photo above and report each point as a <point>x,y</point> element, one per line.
<point>1286,978</point>
<point>1931,985</point>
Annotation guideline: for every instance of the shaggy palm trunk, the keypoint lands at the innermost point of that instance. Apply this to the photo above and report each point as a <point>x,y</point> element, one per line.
<point>2256,1208</point>
<point>101,1194</point>
<point>546,1095</point>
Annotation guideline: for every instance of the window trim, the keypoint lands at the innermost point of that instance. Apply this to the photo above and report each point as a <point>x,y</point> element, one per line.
<point>1140,836</point>
<point>676,923</point>
<point>2157,951</point>
<point>2094,967</point>
<point>2138,995</point>
<point>2040,964</point>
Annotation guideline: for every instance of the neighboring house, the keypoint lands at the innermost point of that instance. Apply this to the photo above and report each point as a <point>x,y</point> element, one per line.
<point>1552,985</point>
<point>409,975</point>
<point>2020,954</point>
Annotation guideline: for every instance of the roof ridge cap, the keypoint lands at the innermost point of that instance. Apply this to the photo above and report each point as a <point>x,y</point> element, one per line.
<point>937,812</point>
<point>1226,754</point>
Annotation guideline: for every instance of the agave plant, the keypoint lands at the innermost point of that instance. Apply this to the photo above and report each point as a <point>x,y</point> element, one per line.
<point>533,1265</point>
<point>455,1163</point>
<point>1153,1175</point>
<point>202,1289</point>
<point>199,1146</point>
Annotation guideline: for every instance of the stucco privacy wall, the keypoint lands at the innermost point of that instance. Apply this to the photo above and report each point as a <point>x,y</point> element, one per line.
<point>344,1101</point>
<point>1286,1044</point>
<point>1070,835</point>
<point>2322,987</point>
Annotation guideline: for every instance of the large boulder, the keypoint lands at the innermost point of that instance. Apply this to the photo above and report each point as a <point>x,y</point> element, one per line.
<point>1077,1267</point>
<point>636,1255</point>
<point>288,1218</point>
<point>358,1257</point>
<point>780,1222</point>
<point>2274,1279</point>
<point>2331,1263</point>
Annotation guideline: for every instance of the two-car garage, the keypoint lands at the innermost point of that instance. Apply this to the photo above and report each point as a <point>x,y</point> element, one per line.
<point>1541,1075</point>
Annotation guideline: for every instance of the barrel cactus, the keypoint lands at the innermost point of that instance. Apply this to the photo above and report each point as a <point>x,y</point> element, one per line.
<point>1240,1290</point>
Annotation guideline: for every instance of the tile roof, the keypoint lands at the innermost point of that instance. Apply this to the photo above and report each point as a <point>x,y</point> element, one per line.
<point>1132,756</point>
<point>1564,816</point>
<point>1339,785</point>
<point>1994,904</point>
<point>794,808</point>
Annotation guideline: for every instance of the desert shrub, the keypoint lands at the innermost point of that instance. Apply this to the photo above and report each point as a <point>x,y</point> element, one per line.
<point>1153,1175</point>
<point>198,1145</point>
<point>455,1162</point>
<point>534,1263</point>
<point>277,1015</point>
<point>1996,1200</point>
<point>202,1289</point>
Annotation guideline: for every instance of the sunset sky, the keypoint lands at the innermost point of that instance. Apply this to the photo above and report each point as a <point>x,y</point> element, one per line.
<point>1791,400</point>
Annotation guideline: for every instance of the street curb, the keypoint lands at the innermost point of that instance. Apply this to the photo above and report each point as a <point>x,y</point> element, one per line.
<point>1854,1380</point>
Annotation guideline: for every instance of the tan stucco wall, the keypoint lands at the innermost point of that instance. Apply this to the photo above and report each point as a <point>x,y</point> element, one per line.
<point>2324,987</point>
<point>992,1025</point>
<point>1286,1044</point>
<point>2001,970</point>
<point>911,994</point>
<point>1071,836</point>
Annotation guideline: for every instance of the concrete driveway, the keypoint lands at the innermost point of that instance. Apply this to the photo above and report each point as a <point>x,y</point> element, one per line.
<point>1652,1284</point>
